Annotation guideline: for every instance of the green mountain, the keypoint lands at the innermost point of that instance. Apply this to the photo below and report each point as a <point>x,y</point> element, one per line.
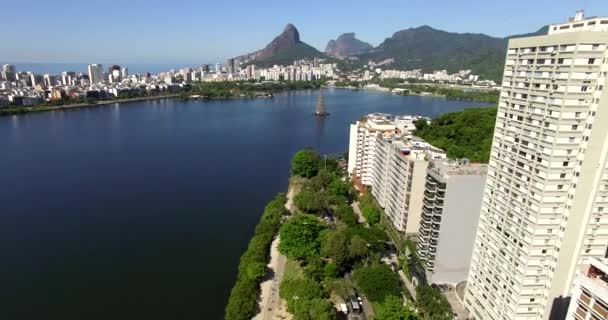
<point>430,49</point>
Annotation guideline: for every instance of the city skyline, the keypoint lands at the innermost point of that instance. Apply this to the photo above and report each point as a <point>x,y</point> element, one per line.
<point>185,40</point>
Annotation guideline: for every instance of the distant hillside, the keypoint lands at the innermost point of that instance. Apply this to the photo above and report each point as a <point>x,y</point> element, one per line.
<point>539,32</point>
<point>462,134</point>
<point>431,49</point>
<point>346,45</point>
<point>283,50</point>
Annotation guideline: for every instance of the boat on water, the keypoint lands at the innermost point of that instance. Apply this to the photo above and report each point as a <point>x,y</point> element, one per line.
<point>320,109</point>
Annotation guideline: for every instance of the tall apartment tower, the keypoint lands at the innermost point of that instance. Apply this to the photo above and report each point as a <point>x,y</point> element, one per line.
<point>362,145</point>
<point>450,210</point>
<point>545,202</point>
<point>95,73</point>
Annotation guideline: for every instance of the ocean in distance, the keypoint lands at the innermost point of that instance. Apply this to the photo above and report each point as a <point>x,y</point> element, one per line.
<point>142,210</point>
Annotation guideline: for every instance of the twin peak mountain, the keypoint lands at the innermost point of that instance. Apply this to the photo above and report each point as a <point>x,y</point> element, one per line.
<point>414,48</point>
<point>287,47</point>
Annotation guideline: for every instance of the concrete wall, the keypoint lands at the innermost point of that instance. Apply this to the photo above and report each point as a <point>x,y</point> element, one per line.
<point>461,209</point>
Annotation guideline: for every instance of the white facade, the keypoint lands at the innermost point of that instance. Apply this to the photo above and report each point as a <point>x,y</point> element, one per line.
<point>95,73</point>
<point>590,294</point>
<point>362,144</point>
<point>546,195</point>
<point>398,175</point>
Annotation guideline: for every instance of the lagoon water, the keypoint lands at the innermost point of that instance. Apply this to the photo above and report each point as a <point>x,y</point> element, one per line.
<point>141,210</point>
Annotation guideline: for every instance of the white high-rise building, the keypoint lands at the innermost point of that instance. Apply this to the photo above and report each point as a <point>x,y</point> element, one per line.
<point>452,192</point>
<point>545,203</point>
<point>124,73</point>
<point>95,73</point>
<point>398,178</point>
<point>362,145</point>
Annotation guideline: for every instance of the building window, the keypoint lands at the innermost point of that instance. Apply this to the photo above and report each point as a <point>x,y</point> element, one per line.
<point>584,88</point>
<point>591,61</point>
<point>565,164</point>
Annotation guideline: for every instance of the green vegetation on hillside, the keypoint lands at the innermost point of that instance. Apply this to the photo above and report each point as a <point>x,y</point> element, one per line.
<point>462,134</point>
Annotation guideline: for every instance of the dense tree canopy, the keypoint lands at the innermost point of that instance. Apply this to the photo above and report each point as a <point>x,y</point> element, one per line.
<point>357,248</point>
<point>335,247</point>
<point>314,309</point>
<point>296,291</point>
<point>300,237</point>
<point>393,309</point>
<point>377,282</point>
<point>463,134</point>
<point>305,163</point>
<point>309,201</point>
<point>432,303</point>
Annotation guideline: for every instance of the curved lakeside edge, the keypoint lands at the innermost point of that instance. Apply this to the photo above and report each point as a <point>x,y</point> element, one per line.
<point>243,301</point>
<point>25,110</point>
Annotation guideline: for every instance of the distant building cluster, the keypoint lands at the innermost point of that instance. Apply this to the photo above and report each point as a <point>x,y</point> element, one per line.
<point>462,76</point>
<point>25,88</point>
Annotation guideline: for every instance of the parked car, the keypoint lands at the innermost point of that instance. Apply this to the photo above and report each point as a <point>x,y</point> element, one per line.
<point>355,305</point>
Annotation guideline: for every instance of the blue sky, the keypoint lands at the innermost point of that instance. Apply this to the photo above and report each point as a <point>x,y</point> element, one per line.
<point>153,31</point>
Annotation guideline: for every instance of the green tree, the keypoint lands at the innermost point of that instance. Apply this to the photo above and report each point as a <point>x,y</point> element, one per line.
<point>462,134</point>
<point>331,271</point>
<point>300,237</point>
<point>371,214</point>
<point>432,303</point>
<point>242,304</point>
<point>392,309</point>
<point>337,187</point>
<point>298,290</point>
<point>336,248</point>
<point>314,269</point>
<point>254,271</point>
<point>309,201</point>
<point>377,282</point>
<point>345,213</point>
<point>314,309</point>
<point>358,248</point>
<point>305,163</point>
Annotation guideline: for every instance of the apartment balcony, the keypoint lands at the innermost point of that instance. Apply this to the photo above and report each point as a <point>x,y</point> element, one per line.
<point>427,204</point>
<point>426,216</point>
<point>436,219</point>
<point>435,226</point>
<point>433,242</point>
